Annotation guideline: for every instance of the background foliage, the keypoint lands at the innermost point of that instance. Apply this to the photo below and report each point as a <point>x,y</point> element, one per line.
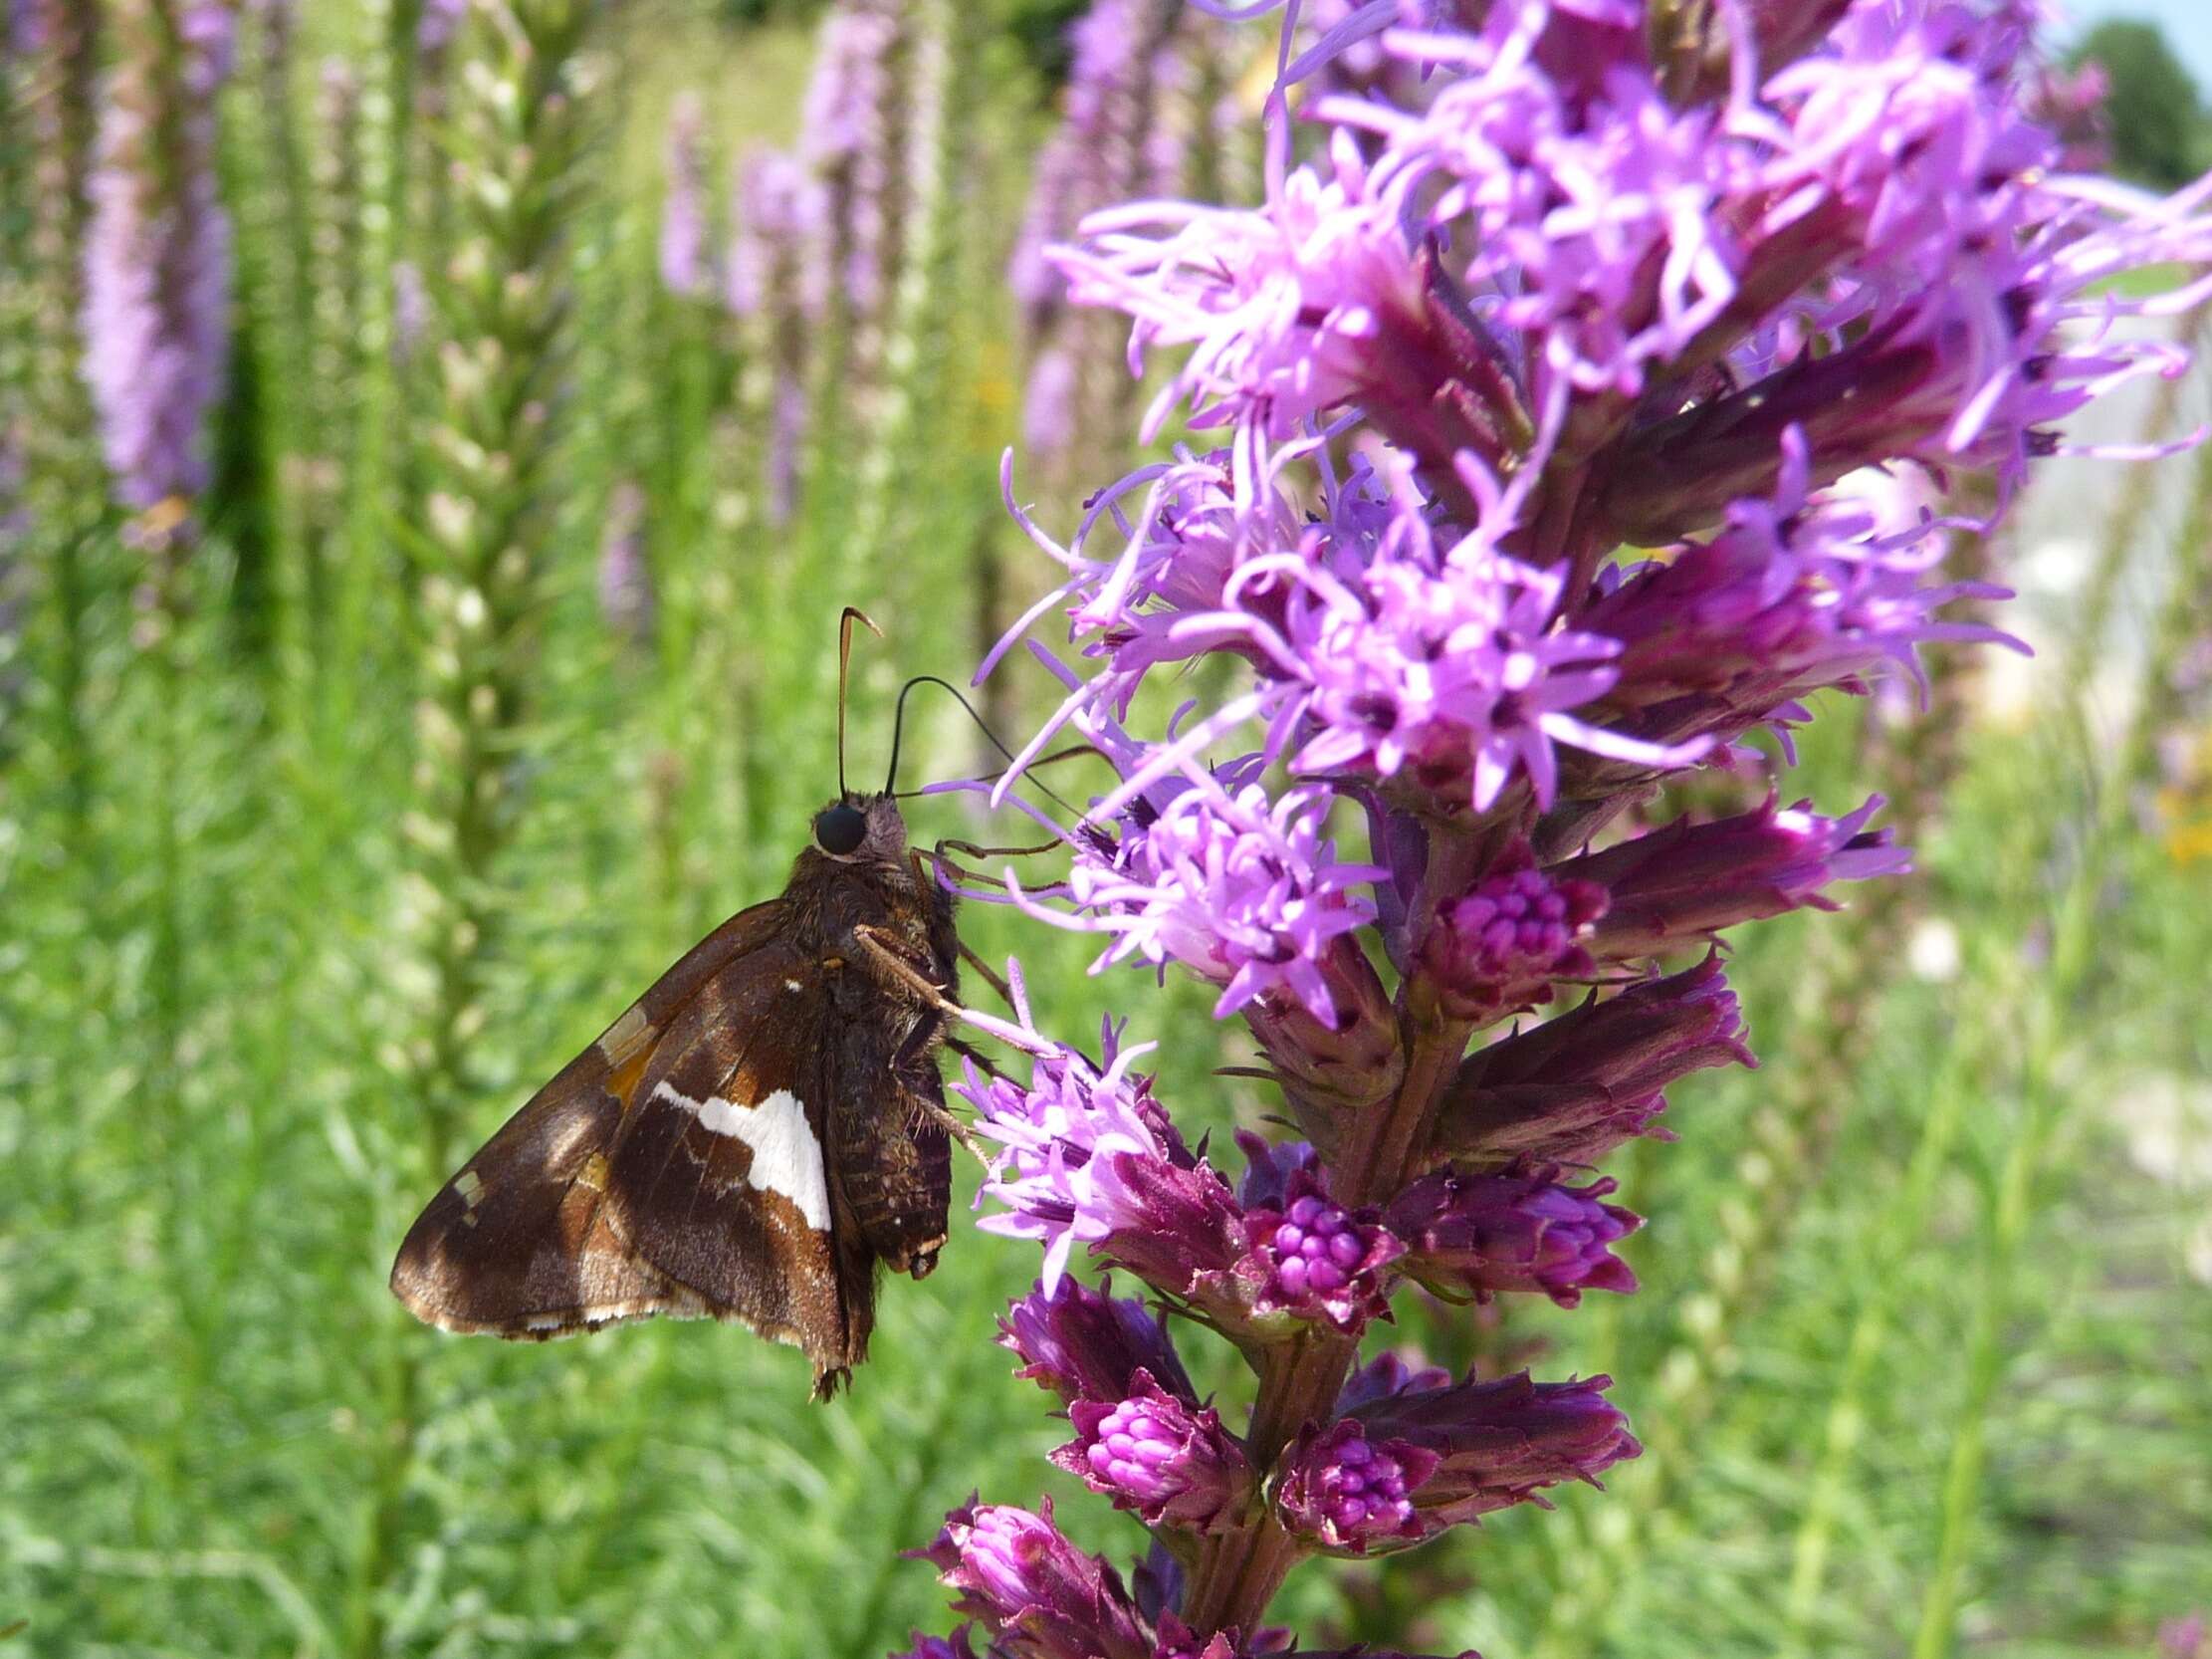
<point>1921,1356</point>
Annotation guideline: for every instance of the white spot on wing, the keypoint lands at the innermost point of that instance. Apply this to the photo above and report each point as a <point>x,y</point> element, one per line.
<point>620,1041</point>
<point>787,1158</point>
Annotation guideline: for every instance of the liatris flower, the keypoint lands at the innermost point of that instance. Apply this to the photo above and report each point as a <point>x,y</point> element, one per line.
<point>1090,1157</point>
<point>1453,1453</point>
<point>1037,1596</point>
<point>1154,1453</point>
<point>683,238</point>
<point>1526,391</point>
<point>1498,947</point>
<point>851,123</point>
<point>1317,1260</point>
<point>1686,882</point>
<point>1352,1495</point>
<point>437,22</point>
<point>1468,1237</point>
<point>158,253</point>
<point>1130,120</point>
<point>775,280</point>
<point>1576,1086</point>
<point>1081,1342</point>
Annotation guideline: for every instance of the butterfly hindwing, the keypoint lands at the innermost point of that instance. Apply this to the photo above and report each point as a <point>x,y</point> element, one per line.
<point>718,1180</point>
<point>517,1242</point>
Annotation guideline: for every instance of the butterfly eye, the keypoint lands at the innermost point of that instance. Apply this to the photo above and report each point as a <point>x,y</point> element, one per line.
<point>840,829</point>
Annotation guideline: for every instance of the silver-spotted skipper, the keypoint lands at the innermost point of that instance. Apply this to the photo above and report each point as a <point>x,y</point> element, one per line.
<point>748,1141</point>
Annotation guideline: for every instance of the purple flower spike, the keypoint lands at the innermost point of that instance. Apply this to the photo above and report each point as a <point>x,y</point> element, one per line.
<point>1474,1236</point>
<point>1351,1493</point>
<point>683,242</point>
<point>1499,1443</point>
<point>1172,1463</point>
<point>1314,1259</point>
<point>1037,1594</point>
<point>1498,947</point>
<point>1574,1088</point>
<point>1087,1344</point>
<point>1682,884</point>
<point>156,305</point>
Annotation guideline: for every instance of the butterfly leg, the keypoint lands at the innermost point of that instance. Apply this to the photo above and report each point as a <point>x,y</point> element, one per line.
<point>978,1060</point>
<point>987,973</point>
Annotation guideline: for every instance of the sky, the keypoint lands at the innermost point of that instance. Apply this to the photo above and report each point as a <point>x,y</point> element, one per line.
<point>2188,23</point>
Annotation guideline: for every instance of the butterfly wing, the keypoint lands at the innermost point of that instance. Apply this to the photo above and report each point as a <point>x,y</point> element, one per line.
<point>719,1178</point>
<point>518,1244</point>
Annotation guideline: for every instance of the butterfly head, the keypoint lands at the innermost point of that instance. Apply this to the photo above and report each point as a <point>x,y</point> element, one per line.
<point>865,829</point>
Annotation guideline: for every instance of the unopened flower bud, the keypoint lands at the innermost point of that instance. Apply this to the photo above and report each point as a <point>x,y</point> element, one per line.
<point>1469,1237</point>
<point>1574,1088</point>
<point>1498,947</point>
<point>1037,1594</point>
<point>1171,1462</point>
<point>1087,1344</point>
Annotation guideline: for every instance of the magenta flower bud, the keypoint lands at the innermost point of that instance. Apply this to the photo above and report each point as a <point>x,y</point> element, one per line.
<point>1402,1468</point>
<point>1497,948</point>
<point>1500,1443</point>
<point>1574,1088</point>
<point>1469,1237</point>
<point>1087,1344</point>
<point>1037,1594</point>
<point>1171,1462</point>
<point>1351,1493</point>
<point>1683,883</point>
<point>1312,1259</point>
<point>955,1646</point>
<point>1387,1373</point>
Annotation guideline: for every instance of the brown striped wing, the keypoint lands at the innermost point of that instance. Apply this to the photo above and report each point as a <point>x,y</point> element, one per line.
<point>520,1242</point>
<point>720,1179</point>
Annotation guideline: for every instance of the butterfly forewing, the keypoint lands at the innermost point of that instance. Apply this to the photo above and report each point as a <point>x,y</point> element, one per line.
<point>517,1244</point>
<point>717,1177</point>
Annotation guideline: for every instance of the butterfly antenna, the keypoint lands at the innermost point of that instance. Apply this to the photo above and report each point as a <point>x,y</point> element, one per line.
<point>844,669</point>
<point>898,729</point>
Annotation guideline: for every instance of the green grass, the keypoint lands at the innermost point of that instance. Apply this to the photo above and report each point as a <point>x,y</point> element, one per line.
<point>211,1155</point>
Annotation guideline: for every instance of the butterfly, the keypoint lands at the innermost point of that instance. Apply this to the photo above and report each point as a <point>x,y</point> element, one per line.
<point>755,1136</point>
